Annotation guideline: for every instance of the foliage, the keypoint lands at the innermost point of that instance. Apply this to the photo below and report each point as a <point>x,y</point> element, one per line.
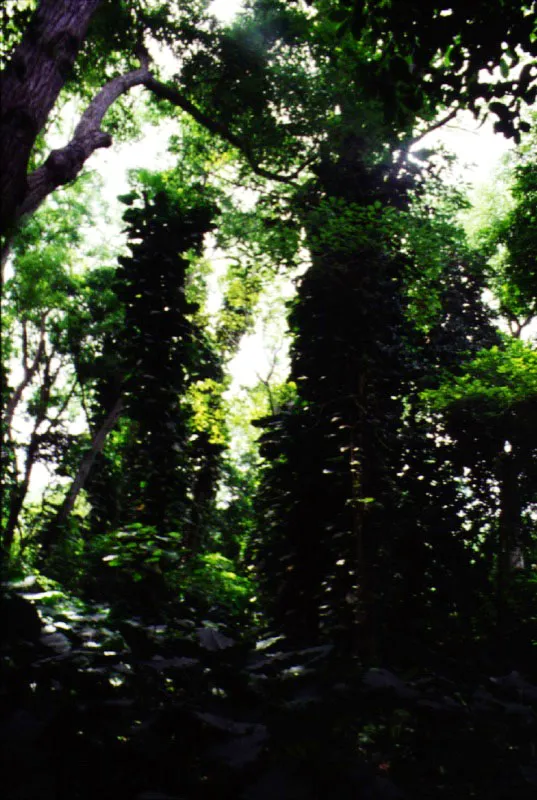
<point>212,581</point>
<point>380,532</point>
<point>504,232</point>
<point>140,570</point>
<point>42,300</point>
<point>517,234</point>
<point>495,380</point>
<point>330,444</point>
<point>17,14</point>
<point>201,713</point>
<point>136,548</point>
<point>422,56</point>
<point>162,364</point>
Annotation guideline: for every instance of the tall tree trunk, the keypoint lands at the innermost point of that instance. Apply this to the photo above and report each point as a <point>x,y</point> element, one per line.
<point>20,491</point>
<point>510,556</point>
<point>203,493</point>
<point>29,88</point>
<point>365,634</point>
<point>53,530</point>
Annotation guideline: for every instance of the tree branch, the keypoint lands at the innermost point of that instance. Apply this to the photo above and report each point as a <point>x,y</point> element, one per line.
<point>63,165</point>
<point>20,491</point>
<point>58,418</point>
<point>29,87</point>
<point>516,326</point>
<point>177,98</point>
<point>29,372</point>
<point>438,124</point>
<point>54,528</point>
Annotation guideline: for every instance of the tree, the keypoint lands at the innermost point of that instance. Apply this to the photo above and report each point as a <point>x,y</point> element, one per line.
<point>495,393</point>
<point>492,404</point>
<point>29,88</point>
<point>40,67</point>
<point>41,299</point>
<point>490,397</point>
<point>95,39</point>
<point>514,273</point>
<point>282,81</point>
<point>430,55</point>
<point>147,362</point>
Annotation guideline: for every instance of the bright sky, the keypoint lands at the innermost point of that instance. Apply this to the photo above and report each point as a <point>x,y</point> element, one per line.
<point>225,10</point>
<point>477,147</point>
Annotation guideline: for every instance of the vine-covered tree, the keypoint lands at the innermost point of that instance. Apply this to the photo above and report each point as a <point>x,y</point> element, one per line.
<point>142,374</point>
<point>328,614</point>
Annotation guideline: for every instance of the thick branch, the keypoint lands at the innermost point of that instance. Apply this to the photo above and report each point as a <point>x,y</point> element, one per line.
<point>405,150</point>
<point>177,98</point>
<point>29,88</point>
<point>63,165</point>
<point>516,325</point>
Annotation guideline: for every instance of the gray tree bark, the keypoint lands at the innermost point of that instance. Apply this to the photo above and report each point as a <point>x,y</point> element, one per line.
<point>20,491</point>
<point>29,88</point>
<point>63,165</point>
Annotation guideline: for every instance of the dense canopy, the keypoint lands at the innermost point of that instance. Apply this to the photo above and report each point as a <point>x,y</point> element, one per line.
<point>315,580</point>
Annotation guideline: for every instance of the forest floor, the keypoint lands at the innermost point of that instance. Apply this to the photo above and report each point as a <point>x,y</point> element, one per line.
<point>98,705</point>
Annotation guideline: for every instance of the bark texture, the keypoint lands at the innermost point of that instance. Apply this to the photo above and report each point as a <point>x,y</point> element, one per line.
<point>29,88</point>
<point>63,165</point>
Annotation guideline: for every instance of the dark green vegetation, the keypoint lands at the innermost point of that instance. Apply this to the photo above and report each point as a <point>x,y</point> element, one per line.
<point>344,608</point>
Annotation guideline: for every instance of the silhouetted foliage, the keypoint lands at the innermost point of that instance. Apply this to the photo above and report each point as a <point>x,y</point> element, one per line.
<point>343,608</point>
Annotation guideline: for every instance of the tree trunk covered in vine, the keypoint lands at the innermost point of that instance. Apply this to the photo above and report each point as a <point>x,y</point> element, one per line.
<point>510,553</point>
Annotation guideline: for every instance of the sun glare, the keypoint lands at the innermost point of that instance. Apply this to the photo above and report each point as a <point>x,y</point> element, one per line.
<point>225,10</point>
